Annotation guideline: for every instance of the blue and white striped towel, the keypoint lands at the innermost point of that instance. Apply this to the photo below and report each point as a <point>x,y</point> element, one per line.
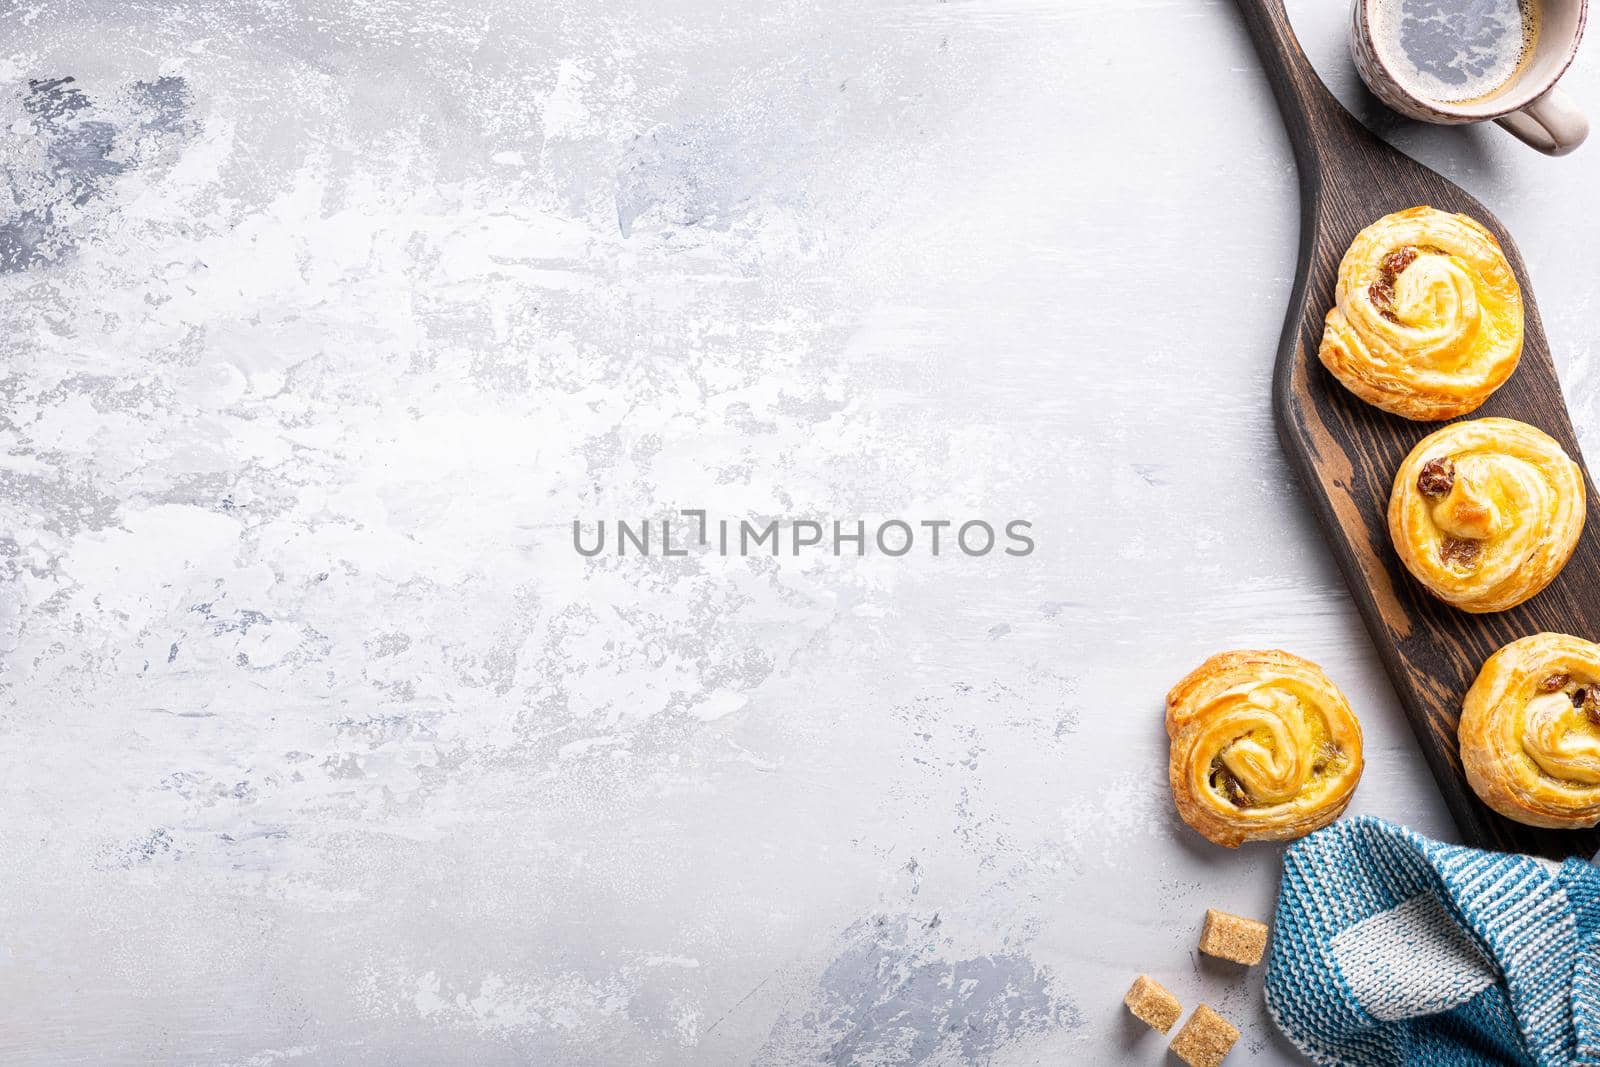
<point>1390,948</point>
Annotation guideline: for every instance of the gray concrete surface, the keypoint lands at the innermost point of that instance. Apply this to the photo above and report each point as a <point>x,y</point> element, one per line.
<point>322,322</point>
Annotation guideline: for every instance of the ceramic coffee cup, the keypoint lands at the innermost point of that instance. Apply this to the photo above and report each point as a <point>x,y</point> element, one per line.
<point>1528,105</point>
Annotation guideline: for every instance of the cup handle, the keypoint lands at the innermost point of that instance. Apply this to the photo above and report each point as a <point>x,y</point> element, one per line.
<point>1552,124</point>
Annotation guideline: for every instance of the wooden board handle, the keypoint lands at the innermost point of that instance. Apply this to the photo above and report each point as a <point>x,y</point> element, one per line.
<point>1309,110</point>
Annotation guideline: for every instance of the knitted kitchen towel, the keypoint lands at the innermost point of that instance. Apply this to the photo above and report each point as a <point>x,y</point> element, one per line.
<point>1390,948</point>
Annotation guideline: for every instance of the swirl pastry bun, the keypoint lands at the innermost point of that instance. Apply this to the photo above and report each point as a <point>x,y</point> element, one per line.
<point>1530,732</point>
<point>1485,513</point>
<point>1427,319</point>
<point>1264,748</point>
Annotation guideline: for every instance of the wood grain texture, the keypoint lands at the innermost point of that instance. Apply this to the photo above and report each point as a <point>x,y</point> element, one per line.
<point>1347,451</point>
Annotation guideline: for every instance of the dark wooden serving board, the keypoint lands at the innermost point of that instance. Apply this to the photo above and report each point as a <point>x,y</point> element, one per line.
<point>1347,451</point>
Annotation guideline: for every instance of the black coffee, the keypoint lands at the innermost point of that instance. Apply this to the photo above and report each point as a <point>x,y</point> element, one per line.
<point>1455,51</point>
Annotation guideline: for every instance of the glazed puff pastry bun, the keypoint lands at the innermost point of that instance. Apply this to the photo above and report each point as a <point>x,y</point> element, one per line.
<point>1485,513</point>
<point>1264,747</point>
<point>1427,320</point>
<point>1530,732</point>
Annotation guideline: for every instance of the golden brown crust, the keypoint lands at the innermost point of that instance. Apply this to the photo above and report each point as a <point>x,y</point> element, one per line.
<point>1264,747</point>
<point>1485,513</point>
<point>1529,737</point>
<point>1427,319</point>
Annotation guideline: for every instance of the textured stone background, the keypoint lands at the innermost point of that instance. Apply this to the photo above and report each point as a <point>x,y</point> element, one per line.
<point>321,322</point>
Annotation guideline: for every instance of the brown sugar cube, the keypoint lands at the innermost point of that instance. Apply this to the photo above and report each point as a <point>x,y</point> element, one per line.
<point>1205,1039</point>
<point>1151,1004</point>
<point>1232,937</point>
